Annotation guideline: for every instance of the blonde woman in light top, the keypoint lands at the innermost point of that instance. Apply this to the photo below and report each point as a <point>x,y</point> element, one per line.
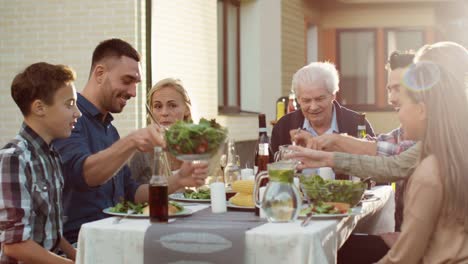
<point>434,110</point>
<point>169,102</point>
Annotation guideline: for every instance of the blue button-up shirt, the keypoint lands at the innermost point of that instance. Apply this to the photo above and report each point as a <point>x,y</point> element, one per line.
<point>82,203</point>
<point>333,129</point>
<point>333,126</point>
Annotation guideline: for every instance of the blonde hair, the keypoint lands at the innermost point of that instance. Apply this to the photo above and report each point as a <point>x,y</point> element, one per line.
<point>176,84</point>
<point>446,135</point>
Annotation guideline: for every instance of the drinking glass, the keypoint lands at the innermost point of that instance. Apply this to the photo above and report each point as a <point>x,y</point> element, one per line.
<point>282,151</point>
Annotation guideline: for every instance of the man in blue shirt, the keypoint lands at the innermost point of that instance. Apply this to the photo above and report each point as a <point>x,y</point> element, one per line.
<point>94,157</point>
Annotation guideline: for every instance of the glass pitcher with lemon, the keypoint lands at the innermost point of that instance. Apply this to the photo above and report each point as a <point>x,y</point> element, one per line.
<point>281,201</point>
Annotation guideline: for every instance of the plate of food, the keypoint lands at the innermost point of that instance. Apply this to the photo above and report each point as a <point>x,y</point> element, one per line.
<point>243,195</point>
<point>141,210</point>
<point>240,207</point>
<point>329,210</point>
<point>202,195</point>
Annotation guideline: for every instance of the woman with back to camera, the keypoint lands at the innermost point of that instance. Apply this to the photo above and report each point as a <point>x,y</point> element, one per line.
<point>433,110</point>
<point>169,102</point>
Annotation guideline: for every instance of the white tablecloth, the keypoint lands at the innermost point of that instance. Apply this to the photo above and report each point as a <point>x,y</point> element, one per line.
<point>103,242</point>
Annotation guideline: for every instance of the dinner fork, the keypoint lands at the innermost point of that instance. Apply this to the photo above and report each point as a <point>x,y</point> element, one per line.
<point>129,212</point>
<point>307,219</point>
<point>297,131</point>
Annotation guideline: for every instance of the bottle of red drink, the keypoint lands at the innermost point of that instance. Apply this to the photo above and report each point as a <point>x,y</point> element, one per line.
<point>158,188</point>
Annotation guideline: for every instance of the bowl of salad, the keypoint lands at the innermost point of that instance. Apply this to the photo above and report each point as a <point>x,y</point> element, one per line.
<point>320,190</point>
<point>190,141</point>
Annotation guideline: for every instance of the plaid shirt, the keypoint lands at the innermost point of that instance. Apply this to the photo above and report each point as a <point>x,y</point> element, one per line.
<point>31,192</point>
<point>393,144</point>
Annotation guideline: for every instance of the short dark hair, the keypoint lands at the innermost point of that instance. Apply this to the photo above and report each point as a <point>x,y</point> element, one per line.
<point>400,59</point>
<point>39,81</point>
<point>113,48</point>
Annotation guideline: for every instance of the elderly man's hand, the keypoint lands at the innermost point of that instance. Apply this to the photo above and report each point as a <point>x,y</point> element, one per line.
<point>193,174</point>
<point>326,142</point>
<point>302,138</point>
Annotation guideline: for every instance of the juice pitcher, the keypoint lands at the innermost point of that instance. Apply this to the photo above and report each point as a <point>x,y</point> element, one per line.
<point>281,201</point>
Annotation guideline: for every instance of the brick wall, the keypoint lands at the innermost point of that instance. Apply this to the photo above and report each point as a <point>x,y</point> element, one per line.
<point>292,41</point>
<point>64,32</point>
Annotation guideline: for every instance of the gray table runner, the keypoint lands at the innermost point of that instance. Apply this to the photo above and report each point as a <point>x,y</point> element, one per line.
<point>202,238</point>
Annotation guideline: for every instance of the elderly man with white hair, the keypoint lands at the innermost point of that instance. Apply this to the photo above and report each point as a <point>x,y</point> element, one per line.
<point>316,86</point>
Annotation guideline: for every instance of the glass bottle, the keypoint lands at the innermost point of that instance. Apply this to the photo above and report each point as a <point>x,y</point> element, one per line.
<point>232,169</point>
<point>361,128</point>
<point>158,187</point>
<point>292,103</point>
<point>281,105</point>
<point>262,152</point>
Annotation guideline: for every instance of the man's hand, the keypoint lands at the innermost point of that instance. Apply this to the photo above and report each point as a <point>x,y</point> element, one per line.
<point>147,138</point>
<point>324,142</point>
<point>302,138</point>
<point>192,174</point>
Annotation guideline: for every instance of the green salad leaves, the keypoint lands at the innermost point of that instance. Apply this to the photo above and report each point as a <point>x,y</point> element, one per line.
<point>185,138</point>
<point>320,190</point>
<point>124,206</point>
<point>200,194</point>
<point>137,208</point>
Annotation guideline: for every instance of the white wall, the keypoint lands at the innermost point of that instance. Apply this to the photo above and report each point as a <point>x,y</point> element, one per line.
<point>184,45</point>
<point>312,44</point>
<point>261,56</point>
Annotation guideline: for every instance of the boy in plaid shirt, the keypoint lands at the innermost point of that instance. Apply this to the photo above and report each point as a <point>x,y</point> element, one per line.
<point>31,180</point>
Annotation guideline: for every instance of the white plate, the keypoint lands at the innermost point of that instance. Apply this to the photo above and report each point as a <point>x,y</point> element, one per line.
<point>180,197</point>
<point>354,211</point>
<point>371,199</point>
<point>231,205</point>
<point>184,212</point>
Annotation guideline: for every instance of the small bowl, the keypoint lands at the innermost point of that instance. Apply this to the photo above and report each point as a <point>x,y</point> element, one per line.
<point>342,191</point>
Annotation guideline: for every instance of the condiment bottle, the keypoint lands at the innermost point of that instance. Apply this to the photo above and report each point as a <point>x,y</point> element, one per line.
<point>158,187</point>
<point>263,153</point>
<point>361,128</point>
<point>292,103</point>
